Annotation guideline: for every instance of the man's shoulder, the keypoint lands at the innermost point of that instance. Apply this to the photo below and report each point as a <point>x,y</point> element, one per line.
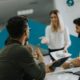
<point>16,48</point>
<point>21,51</point>
<point>20,48</point>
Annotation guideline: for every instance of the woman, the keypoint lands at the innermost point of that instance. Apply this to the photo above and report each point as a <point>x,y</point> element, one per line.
<point>56,34</point>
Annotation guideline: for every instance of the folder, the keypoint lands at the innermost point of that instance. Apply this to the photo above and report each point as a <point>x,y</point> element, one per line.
<point>58,63</point>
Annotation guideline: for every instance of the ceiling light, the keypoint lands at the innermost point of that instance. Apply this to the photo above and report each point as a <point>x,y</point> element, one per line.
<point>25,12</point>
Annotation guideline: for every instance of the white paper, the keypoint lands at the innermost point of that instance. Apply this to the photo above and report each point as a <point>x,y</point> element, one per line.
<point>59,54</point>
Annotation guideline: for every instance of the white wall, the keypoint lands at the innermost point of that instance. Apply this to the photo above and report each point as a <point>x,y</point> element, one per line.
<point>68,13</point>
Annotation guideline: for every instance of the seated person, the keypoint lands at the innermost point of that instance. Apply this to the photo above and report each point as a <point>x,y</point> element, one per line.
<point>77,24</point>
<point>75,62</point>
<point>16,61</point>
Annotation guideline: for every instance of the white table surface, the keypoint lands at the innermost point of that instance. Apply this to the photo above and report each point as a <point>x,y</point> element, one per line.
<point>59,74</point>
<point>62,76</point>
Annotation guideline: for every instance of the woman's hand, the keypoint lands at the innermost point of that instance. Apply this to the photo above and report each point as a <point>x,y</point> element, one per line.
<point>44,40</point>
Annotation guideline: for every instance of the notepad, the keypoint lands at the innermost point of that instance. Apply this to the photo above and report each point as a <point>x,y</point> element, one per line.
<point>59,54</point>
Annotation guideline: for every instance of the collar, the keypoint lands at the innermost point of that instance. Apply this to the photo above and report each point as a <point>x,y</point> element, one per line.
<point>12,41</point>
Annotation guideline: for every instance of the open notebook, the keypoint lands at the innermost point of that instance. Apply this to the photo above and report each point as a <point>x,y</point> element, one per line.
<point>59,54</point>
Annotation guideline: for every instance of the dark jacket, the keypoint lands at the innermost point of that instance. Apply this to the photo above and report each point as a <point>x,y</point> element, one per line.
<point>79,35</point>
<point>17,63</point>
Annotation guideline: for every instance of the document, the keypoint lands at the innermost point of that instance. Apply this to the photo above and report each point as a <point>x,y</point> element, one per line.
<point>59,54</point>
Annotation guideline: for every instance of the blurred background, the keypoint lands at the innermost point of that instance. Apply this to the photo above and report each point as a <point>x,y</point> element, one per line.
<point>38,15</point>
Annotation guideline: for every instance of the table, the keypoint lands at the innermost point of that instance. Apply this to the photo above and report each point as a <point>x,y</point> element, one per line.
<point>61,75</point>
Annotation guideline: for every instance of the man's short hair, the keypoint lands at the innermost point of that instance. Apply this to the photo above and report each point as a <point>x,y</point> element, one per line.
<point>16,26</point>
<point>77,21</point>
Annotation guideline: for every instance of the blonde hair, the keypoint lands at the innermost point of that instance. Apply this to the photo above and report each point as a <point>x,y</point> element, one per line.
<point>60,25</point>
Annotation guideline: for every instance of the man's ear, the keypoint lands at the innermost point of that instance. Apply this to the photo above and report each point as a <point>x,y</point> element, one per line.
<point>26,33</point>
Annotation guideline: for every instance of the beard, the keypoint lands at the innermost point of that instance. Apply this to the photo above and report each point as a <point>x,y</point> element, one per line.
<point>26,40</point>
<point>77,31</point>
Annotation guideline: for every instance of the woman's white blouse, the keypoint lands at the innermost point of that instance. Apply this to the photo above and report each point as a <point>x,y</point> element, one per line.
<point>57,39</point>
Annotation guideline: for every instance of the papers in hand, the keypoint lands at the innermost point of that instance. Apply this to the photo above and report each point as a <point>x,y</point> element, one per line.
<point>59,54</point>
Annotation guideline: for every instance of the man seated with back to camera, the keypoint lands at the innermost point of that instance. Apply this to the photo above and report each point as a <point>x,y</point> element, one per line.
<point>16,61</point>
